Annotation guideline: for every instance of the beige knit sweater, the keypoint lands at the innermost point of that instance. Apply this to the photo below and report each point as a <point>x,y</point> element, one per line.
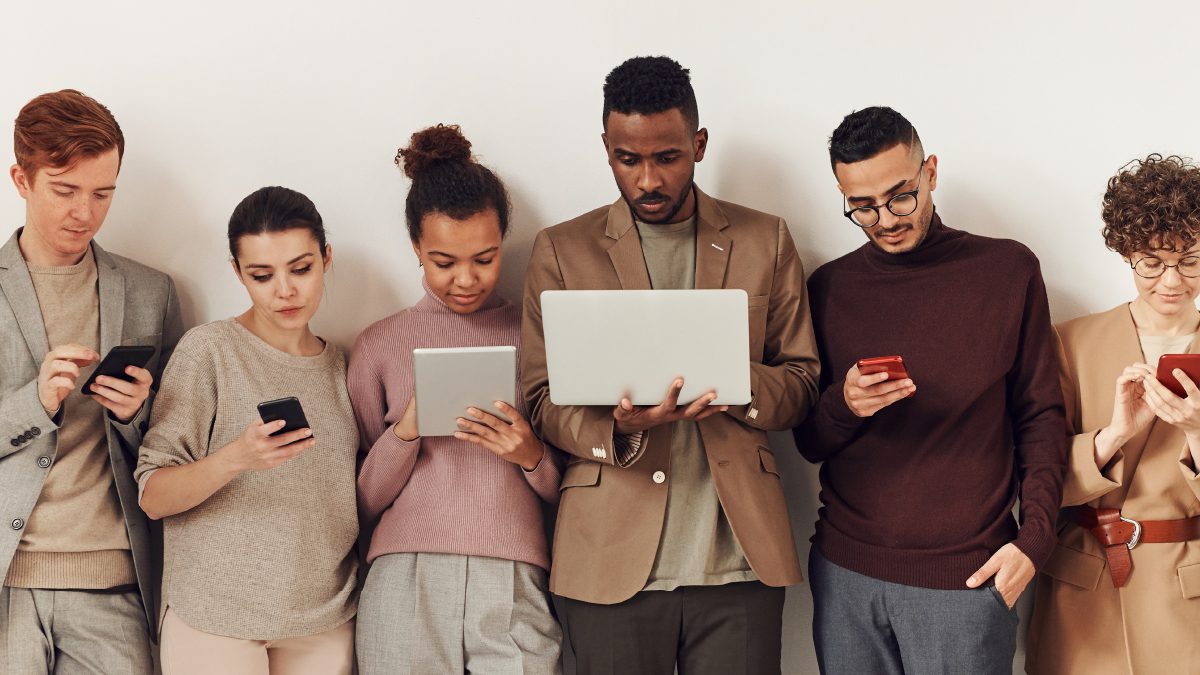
<point>271,554</point>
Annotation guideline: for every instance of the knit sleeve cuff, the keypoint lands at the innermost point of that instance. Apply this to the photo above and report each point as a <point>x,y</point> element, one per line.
<point>1037,544</point>
<point>545,477</point>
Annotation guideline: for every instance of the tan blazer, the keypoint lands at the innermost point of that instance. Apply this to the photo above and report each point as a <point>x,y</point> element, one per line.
<point>1081,623</point>
<point>611,517</point>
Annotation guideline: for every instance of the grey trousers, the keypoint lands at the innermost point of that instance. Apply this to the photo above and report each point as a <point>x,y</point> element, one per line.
<point>864,625</point>
<point>44,632</point>
<point>424,613</point>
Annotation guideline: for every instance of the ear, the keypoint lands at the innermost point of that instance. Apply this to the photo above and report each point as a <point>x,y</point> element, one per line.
<point>417,251</point>
<point>701,144</point>
<point>328,257</point>
<point>604,140</point>
<point>931,172</point>
<point>237,271</point>
<point>21,180</point>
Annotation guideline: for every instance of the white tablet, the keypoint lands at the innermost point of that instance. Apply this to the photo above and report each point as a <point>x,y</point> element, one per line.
<point>449,380</point>
<point>603,345</point>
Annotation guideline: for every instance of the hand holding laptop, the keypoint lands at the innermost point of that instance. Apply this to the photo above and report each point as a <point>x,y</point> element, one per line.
<point>631,419</point>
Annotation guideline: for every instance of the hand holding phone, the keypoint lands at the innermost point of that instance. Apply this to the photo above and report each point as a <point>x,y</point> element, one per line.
<point>1188,363</point>
<point>280,435</point>
<point>116,361</point>
<point>866,393</point>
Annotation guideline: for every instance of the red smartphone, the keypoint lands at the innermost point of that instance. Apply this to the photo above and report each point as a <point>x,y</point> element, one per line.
<point>1188,363</point>
<point>892,365</point>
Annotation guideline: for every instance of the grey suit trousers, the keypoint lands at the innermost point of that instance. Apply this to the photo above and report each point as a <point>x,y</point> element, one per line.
<point>44,632</point>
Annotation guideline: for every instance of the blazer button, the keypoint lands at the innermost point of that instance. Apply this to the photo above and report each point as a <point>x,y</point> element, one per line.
<point>24,438</point>
<point>17,523</point>
<point>36,432</point>
<point>44,462</point>
<point>14,442</point>
<point>658,477</point>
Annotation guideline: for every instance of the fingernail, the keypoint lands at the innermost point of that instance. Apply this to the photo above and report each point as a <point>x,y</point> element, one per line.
<point>308,432</point>
<point>473,411</point>
<point>971,581</point>
<point>461,422</point>
<point>460,435</point>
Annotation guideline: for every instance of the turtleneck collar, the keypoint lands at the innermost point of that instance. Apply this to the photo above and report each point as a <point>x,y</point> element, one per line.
<point>940,241</point>
<point>432,303</point>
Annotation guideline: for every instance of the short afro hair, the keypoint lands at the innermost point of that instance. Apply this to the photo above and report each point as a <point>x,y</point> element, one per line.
<point>1152,204</point>
<point>868,132</point>
<point>645,85</point>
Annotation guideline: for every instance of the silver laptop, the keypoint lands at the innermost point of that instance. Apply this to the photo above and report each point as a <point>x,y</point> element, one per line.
<point>448,380</point>
<point>603,345</point>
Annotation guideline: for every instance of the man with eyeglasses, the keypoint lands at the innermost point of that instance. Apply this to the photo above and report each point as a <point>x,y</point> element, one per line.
<point>917,560</point>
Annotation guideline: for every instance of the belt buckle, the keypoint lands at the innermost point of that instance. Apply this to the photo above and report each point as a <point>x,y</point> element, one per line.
<point>1137,532</point>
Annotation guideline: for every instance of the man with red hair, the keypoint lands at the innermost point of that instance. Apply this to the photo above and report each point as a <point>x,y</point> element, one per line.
<point>80,582</point>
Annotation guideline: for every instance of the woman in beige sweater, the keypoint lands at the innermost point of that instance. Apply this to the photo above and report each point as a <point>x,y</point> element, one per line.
<point>259,530</point>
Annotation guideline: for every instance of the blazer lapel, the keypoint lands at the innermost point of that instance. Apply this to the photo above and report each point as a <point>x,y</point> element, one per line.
<point>112,299</point>
<point>17,287</point>
<point>626,249</point>
<point>712,245</point>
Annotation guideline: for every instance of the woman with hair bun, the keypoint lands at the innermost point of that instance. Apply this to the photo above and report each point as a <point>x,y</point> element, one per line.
<point>259,527</point>
<point>1121,594</point>
<point>458,555</point>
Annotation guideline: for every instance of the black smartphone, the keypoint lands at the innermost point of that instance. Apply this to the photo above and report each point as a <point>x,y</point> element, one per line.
<point>116,361</point>
<point>286,409</point>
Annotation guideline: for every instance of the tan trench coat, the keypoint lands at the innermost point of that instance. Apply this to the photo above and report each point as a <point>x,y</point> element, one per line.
<point>1081,623</point>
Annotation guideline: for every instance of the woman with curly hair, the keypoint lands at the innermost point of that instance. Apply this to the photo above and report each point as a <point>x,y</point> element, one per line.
<point>1121,593</point>
<point>458,555</point>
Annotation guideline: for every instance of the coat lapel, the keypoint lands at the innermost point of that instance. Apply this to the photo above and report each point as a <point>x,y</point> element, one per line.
<point>712,245</point>
<point>112,299</point>
<point>626,249</point>
<point>17,286</point>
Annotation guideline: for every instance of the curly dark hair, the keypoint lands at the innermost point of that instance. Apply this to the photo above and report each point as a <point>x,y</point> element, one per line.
<point>1152,204</point>
<point>645,85</point>
<point>868,132</point>
<point>447,179</point>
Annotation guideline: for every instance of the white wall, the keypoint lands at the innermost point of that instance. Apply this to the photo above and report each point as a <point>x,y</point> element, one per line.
<point>1029,105</point>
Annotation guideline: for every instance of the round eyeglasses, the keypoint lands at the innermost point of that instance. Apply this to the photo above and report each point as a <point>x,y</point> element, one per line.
<point>1152,268</point>
<point>903,204</point>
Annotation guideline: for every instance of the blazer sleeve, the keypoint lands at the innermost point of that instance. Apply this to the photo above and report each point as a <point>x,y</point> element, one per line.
<point>784,385</point>
<point>171,330</point>
<point>1084,481</point>
<point>21,412</point>
<point>583,431</point>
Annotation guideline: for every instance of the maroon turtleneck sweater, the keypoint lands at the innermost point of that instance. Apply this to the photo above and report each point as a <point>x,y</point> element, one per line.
<point>921,493</point>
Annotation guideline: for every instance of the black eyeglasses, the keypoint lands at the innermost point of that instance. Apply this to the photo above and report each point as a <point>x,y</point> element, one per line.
<point>1152,268</point>
<point>901,205</point>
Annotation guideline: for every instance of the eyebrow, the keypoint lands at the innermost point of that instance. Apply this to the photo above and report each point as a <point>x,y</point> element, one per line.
<point>72,186</point>
<point>623,151</point>
<point>485,251</point>
<point>290,262</point>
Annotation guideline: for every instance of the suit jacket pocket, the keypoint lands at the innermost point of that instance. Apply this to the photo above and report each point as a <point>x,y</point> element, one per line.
<point>1189,580</point>
<point>766,459</point>
<point>756,308</point>
<point>581,474</point>
<point>1078,568</point>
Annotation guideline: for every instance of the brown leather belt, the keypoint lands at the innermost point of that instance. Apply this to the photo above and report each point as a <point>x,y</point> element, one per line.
<point>1119,535</point>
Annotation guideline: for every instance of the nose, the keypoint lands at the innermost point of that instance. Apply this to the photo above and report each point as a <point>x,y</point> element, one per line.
<point>464,276</point>
<point>285,288</point>
<point>1171,277</point>
<point>82,209</point>
<point>887,219</point>
<point>648,178</point>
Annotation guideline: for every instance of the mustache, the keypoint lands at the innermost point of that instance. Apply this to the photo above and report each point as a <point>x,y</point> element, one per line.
<point>893,230</point>
<point>652,197</point>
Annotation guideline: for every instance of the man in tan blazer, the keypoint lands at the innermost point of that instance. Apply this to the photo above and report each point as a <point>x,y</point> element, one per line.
<point>673,542</point>
<point>78,558</point>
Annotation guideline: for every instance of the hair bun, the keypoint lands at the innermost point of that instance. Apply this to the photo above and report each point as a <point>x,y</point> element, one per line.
<point>442,143</point>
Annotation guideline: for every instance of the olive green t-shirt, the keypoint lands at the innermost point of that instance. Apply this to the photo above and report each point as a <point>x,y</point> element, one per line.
<point>697,547</point>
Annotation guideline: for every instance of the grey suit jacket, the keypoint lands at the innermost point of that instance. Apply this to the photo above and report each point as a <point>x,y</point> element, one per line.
<point>138,306</point>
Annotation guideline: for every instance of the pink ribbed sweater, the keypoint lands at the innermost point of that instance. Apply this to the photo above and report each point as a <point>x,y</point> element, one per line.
<point>439,494</point>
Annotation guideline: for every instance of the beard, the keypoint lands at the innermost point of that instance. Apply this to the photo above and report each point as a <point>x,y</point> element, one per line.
<point>670,213</point>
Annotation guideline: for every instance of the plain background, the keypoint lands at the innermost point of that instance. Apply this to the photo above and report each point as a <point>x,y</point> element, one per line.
<point>1030,107</point>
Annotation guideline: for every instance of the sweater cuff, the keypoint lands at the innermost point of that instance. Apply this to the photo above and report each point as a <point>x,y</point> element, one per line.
<point>1037,544</point>
<point>834,409</point>
<point>545,477</point>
